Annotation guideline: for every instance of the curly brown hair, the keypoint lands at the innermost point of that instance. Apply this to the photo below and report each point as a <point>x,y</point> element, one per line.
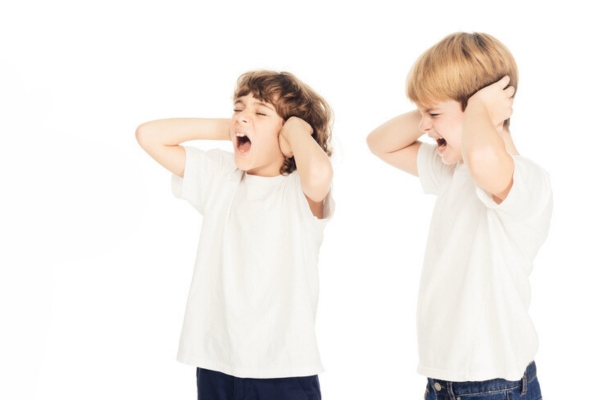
<point>291,98</point>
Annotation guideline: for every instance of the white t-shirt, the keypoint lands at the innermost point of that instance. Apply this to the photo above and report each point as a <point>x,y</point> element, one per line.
<point>473,321</point>
<point>253,299</point>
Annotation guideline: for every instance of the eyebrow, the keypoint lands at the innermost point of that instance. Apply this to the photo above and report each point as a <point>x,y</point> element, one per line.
<point>431,109</point>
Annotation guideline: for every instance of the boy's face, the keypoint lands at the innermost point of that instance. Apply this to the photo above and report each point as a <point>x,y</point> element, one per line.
<point>254,131</point>
<point>443,122</point>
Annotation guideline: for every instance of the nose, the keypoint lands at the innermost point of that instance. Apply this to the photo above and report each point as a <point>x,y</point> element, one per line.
<point>425,124</point>
<point>242,117</point>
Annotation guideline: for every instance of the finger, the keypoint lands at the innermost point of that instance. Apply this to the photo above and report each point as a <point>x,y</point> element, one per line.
<point>510,91</point>
<point>504,81</point>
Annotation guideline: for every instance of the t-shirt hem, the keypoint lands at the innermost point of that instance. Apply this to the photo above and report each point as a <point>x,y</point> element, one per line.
<point>255,373</point>
<point>470,376</point>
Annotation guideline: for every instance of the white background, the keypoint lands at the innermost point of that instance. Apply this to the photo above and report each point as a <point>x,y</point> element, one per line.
<point>96,255</point>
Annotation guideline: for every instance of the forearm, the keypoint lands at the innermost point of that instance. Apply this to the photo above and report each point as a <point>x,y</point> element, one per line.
<point>484,150</point>
<point>313,164</point>
<point>479,133</point>
<point>485,141</point>
<point>395,142</point>
<point>174,131</point>
<point>161,138</point>
<point>395,134</point>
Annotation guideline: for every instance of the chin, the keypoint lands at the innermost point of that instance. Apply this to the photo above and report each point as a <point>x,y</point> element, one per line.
<point>241,163</point>
<point>450,157</point>
<point>451,161</point>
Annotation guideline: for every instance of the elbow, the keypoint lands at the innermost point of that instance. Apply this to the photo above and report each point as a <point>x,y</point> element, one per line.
<point>372,142</point>
<point>141,134</point>
<point>145,136</point>
<point>320,179</point>
<point>492,170</point>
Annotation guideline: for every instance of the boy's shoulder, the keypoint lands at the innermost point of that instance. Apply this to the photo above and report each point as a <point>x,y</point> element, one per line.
<point>431,169</point>
<point>527,162</point>
<point>530,197</point>
<point>197,157</point>
<point>531,173</point>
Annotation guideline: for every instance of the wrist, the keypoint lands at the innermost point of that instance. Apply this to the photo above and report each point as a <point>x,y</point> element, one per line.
<point>477,108</point>
<point>475,102</point>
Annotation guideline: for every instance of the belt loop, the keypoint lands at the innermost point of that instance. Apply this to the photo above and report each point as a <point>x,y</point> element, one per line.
<point>450,391</point>
<point>524,384</point>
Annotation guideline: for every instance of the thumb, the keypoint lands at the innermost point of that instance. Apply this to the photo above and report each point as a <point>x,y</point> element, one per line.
<point>504,81</point>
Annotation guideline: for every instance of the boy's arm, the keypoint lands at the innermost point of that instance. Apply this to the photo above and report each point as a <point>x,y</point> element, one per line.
<point>486,143</point>
<point>162,138</point>
<point>395,142</point>
<point>313,164</point>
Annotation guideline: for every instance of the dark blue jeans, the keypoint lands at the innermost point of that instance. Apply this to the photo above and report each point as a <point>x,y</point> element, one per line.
<point>213,385</point>
<point>527,388</point>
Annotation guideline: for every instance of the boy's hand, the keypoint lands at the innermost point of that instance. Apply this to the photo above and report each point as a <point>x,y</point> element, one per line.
<point>497,99</point>
<point>291,126</point>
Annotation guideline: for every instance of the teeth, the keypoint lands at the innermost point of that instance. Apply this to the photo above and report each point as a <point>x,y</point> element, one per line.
<point>240,134</point>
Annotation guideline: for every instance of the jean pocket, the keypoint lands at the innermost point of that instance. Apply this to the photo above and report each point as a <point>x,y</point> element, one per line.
<point>532,393</point>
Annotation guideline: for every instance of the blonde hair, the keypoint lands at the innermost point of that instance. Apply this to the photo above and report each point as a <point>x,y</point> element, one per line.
<point>457,67</point>
<point>291,98</point>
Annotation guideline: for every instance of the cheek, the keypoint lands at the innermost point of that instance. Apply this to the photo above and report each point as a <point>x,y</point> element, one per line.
<point>279,125</point>
<point>274,130</point>
<point>451,130</point>
<point>268,139</point>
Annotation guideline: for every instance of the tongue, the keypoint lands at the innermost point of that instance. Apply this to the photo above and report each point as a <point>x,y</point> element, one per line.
<point>244,145</point>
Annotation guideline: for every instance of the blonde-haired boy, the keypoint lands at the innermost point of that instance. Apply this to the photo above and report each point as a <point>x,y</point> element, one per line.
<point>491,216</point>
<point>249,325</point>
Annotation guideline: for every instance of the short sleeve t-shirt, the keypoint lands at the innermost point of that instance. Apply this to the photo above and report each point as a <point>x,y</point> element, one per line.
<point>473,321</point>
<point>253,298</point>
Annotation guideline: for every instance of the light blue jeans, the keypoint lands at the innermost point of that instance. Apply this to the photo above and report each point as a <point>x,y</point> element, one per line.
<point>527,388</point>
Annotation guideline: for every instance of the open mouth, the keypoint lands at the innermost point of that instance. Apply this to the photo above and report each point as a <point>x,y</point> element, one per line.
<point>242,142</point>
<point>441,142</point>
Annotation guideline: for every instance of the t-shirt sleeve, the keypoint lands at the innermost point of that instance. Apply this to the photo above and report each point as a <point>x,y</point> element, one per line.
<point>431,169</point>
<point>203,170</point>
<point>530,195</point>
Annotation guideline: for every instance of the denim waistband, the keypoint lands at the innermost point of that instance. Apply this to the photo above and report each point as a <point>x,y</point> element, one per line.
<point>455,389</point>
